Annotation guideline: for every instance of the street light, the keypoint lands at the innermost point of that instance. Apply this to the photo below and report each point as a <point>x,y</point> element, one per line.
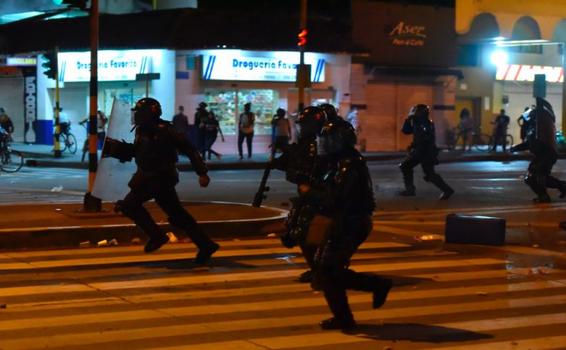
<point>499,57</point>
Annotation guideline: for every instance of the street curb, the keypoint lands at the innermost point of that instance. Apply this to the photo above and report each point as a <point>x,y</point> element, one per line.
<point>89,235</point>
<point>443,159</point>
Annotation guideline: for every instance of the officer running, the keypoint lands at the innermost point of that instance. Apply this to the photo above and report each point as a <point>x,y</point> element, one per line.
<point>541,142</point>
<point>346,200</point>
<point>422,151</point>
<point>302,167</point>
<point>155,152</point>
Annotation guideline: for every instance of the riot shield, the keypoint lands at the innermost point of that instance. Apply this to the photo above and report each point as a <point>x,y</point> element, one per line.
<point>111,183</point>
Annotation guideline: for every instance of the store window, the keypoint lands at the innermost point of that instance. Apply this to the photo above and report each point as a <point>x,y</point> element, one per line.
<point>228,104</point>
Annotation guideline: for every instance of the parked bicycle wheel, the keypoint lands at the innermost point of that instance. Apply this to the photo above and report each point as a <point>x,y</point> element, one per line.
<point>11,161</point>
<point>63,142</point>
<point>509,141</point>
<point>71,143</point>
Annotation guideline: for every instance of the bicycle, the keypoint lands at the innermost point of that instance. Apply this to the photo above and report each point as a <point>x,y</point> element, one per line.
<point>508,141</point>
<point>67,139</point>
<point>476,140</point>
<point>10,160</point>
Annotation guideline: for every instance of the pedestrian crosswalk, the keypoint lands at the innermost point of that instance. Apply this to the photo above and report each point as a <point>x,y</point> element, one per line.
<point>119,298</point>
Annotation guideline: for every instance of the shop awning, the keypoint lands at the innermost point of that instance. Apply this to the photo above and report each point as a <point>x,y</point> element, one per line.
<point>178,29</point>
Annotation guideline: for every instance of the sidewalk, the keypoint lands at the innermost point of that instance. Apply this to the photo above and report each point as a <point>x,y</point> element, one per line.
<point>42,156</point>
<point>66,225</point>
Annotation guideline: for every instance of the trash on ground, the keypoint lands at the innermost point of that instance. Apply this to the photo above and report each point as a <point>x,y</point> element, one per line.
<point>272,235</point>
<point>57,189</point>
<point>481,294</point>
<point>113,242</point>
<point>84,244</point>
<point>58,209</point>
<point>172,237</point>
<point>429,237</point>
<point>136,240</point>
<point>103,243</point>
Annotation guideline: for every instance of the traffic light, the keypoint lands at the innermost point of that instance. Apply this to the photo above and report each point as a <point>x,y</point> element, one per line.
<point>50,64</point>
<point>302,38</point>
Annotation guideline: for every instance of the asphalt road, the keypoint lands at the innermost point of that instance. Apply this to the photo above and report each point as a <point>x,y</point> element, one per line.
<point>445,296</point>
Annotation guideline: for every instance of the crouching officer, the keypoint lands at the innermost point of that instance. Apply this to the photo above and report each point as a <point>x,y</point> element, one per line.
<point>541,142</point>
<point>302,167</point>
<point>155,152</point>
<point>347,203</point>
<point>422,151</point>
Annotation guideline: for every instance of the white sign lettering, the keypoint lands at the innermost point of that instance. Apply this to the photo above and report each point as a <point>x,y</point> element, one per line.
<point>281,66</point>
<point>112,65</point>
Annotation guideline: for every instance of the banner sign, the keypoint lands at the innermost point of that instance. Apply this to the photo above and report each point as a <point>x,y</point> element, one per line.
<point>113,65</point>
<point>281,66</point>
<point>519,72</point>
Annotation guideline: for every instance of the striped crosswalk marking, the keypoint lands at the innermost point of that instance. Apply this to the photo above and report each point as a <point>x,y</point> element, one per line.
<point>118,298</point>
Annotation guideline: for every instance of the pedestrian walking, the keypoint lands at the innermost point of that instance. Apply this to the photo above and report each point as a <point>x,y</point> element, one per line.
<point>501,123</point>
<point>541,142</point>
<point>422,151</point>
<point>280,132</point>
<point>246,124</point>
<point>155,152</point>
<point>211,131</point>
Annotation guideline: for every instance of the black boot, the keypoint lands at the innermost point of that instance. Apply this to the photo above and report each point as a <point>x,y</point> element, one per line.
<point>447,191</point>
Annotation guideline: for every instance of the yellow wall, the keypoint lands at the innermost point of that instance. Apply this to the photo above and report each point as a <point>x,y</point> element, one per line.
<point>547,13</point>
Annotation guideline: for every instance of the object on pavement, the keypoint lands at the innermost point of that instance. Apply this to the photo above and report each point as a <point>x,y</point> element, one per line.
<point>474,230</point>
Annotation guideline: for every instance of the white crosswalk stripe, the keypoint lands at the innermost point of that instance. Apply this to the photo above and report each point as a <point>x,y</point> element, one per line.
<point>119,298</point>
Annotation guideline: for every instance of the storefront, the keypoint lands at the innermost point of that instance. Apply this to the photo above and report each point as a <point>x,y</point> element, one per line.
<point>18,98</point>
<point>501,51</point>
<point>227,79</point>
<point>411,51</point>
<point>117,72</point>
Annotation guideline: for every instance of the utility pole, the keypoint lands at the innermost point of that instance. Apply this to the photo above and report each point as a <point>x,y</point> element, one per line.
<point>91,203</point>
<point>56,136</point>
<point>301,78</point>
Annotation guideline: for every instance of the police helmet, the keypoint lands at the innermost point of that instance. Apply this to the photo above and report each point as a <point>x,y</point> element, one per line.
<point>330,111</point>
<point>310,121</point>
<point>280,112</point>
<point>336,137</point>
<point>202,105</point>
<point>420,110</point>
<point>146,111</point>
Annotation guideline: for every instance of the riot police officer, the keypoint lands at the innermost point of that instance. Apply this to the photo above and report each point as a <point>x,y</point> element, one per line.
<point>302,167</point>
<point>155,152</point>
<point>346,200</point>
<point>541,142</point>
<point>422,151</point>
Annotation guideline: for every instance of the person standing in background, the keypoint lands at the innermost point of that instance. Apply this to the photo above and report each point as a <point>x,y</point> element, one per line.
<point>181,122</point>
<point>280,132</point>
<point>246,125</point>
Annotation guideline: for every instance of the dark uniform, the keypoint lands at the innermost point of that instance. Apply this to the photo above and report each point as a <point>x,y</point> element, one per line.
<point>422,151</point>
<point>155,151</point>
<point>346,198</point>
<point>302,167</point>
<point>200,116</point>
<point>541,142</point>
